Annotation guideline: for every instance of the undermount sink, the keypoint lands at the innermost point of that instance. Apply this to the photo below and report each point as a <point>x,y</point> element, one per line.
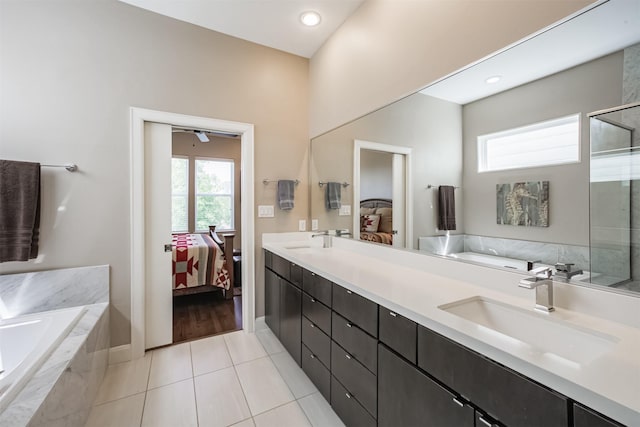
<point>540,334</point>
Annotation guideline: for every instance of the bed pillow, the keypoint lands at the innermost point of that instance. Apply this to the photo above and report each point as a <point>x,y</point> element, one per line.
<point>386,220</point>
<point>370,223</point>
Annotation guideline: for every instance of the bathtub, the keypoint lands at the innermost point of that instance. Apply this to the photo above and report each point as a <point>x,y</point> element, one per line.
<point>504,262</point>
<point>26,342</point>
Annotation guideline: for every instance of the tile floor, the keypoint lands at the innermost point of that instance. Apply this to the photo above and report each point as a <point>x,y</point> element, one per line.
<point>236,379</point>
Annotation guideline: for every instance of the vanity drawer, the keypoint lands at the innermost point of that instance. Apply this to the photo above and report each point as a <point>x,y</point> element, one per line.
<point>317,372</point>
<point>358,380</point>
<point>358,310</point>
<point>295,274</point>
<point>268,259</point>
<point>504,394</point>
<point>399,333</point>
<point>317,312</point>
<point>355,341</point>
<point>316,341</point>
<point>348,409</point>
<point>280,266</point>
<point>585,417</point>
<point>317,286</point>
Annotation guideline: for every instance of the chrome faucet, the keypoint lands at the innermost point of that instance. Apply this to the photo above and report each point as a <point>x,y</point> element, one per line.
<point>326,238</point>
<point>542,283</point>
<point>530,264</point>
<point>341,233</point>
<point>563,270</point>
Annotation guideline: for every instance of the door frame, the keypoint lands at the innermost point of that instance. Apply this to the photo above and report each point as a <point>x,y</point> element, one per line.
<point>358,146</point>
<point>138,116</point>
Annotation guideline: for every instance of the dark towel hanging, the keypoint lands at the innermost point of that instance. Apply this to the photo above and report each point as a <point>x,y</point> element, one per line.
<point>285,194</point>
<point>332,195</point>
<point>446,207</point>
<point>19,210</point>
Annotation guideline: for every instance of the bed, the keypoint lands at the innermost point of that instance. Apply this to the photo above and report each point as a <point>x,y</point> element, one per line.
<point>376,221</point>
<point>199,263</point>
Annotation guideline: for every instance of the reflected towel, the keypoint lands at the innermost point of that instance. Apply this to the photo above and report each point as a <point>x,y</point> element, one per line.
<point>332,195</point>
<point>446,207</point>
<point>19,210</point>
<point>285,194</point>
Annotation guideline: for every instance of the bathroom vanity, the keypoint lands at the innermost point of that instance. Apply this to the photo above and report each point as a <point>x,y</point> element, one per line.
<point>379,344</point>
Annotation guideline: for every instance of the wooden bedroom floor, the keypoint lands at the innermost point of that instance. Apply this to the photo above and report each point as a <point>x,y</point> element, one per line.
<point>202,315</point>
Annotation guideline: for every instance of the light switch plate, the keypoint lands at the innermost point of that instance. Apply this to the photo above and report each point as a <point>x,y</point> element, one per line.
<point>302,225</point>
<point>345,210</point>
<point>314,225</point>
<point>265,211</point>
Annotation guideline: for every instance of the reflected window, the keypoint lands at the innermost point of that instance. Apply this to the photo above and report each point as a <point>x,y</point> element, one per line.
<point>548,143</point>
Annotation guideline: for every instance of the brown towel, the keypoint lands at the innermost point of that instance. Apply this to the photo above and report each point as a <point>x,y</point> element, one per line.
<point>19,210</point>
<point>446,207</point>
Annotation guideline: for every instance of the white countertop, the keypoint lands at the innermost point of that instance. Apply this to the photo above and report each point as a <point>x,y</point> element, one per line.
<point>610,384</point>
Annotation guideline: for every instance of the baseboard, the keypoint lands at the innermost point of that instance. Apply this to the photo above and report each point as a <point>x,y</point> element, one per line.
<point>119,354</point>
<point>260,323</point>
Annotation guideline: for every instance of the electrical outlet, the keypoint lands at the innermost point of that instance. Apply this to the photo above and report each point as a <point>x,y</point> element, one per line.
<point>265,211</point>
<point>302,225</point>
<point>314,225</point>
<point>345,210</point>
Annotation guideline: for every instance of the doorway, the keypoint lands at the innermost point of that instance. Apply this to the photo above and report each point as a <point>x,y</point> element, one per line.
<point>384,168</point>
<point>206,231</point>
<point>150,298</point>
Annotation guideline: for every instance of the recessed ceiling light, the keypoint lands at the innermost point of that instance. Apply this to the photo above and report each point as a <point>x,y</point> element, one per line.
<point>493,79</point>
<point>310,18</point>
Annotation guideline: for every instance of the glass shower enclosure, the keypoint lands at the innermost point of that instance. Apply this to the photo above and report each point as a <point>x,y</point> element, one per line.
<point>615,197</point>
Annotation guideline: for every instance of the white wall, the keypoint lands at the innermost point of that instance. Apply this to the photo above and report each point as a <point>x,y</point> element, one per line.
<point>376,178</point>
<point>589,87</point>
<point>388,49</point>
<point>69,72</point>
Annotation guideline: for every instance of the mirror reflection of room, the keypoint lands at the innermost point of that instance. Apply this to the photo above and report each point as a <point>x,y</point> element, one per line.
<point>205,223</point>
<point>519,204</point>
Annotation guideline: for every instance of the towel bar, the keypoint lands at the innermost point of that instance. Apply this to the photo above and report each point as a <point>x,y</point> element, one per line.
<point>266,181</point>
<point>70,167</point>
<point>430,186</point>
<point>344,184</point>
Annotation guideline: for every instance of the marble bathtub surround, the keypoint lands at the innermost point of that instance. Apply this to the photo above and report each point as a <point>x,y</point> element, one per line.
<point>61,391</point>
<point>547,253</point>
<point>27,293</point>
<point>414,286</point>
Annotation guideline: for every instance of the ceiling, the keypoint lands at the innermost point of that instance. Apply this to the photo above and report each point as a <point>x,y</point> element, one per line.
<point>273,23</point>
<point>607,28</point>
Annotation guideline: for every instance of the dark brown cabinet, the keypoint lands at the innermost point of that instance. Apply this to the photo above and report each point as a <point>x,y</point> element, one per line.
<point>408,397</point>
<point>272,301</point>
<point>585,417</point>
<point>377,367</point>
<point>291,319</point>
<point>502,393</point>
<point>399,333</point>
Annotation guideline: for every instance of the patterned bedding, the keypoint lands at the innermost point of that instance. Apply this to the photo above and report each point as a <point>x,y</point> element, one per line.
<point>197,260</point>
<point>377,237</point>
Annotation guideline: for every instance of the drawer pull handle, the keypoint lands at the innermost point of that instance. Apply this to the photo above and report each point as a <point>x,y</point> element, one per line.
<point>313,356</point>
<point>312,325</point>
<point>458,402</point>
<point>348,356</point>
<point>349,292</point>
<point>485,422</point>
<point>313,300</point>
<point>313,274</point>
<point>348,395</point>
<point>349,325</point>
<point>392,314</point>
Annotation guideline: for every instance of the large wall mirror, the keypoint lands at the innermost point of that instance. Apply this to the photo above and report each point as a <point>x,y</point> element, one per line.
<point>468,168</point>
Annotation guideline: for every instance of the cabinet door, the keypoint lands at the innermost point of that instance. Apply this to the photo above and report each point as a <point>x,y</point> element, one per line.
<point>291,319</point>
<point>585,417</point>
<point>503,394</point>
<point>398,333</point>
<point>357,309</point>
<point>295,274</point>
<point>317,286</point>
<point>272,301</point>
<point>408,397</point>
<point>281,266</point>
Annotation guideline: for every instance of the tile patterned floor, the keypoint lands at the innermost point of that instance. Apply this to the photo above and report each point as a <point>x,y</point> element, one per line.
<point>237,379</point>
